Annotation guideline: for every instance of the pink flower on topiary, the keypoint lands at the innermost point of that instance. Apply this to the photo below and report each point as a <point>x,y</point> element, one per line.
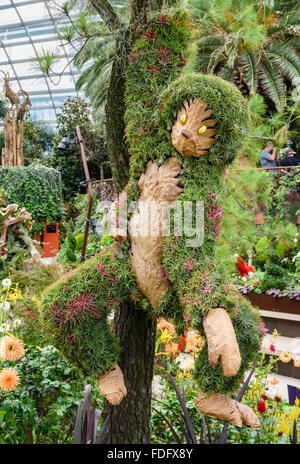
<point>101,269</point>
<point>82,304</point>
<point>207,288</point>
<point>153,69</point>
<point>162,19</point>
<point>189,264</point>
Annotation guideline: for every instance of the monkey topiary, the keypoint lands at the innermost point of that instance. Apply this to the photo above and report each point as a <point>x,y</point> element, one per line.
<point>182,130</point>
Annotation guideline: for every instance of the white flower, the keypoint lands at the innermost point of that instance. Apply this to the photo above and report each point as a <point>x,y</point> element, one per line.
<point>295,240</point>
<point>17,323</point>
<point>6,283</point>
<point>4,306</point>
<point>4,327</point>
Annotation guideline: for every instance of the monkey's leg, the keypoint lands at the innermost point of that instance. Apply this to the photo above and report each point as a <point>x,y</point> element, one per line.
<point>75,312</point>
<point>222,343</point>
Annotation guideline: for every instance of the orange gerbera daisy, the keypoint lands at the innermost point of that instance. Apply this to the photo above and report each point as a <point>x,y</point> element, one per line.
<point>9,379</point>
<point>11,348</point>
<point>285,357</point>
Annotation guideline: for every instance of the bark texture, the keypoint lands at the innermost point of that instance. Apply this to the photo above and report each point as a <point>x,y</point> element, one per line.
<point>128,423</point>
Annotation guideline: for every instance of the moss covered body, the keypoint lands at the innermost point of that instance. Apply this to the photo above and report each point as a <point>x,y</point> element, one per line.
<point>160,78</point>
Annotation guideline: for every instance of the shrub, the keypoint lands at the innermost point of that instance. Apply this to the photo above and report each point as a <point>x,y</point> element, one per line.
<point>42,409</point>
<point>37,188</point>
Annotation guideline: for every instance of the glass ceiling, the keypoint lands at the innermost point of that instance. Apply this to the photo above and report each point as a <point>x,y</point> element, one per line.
<point>28,27</point>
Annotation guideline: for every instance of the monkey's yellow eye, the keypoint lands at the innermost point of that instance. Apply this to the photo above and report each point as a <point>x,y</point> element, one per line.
<point>202,130</point>
<point>183,119</point>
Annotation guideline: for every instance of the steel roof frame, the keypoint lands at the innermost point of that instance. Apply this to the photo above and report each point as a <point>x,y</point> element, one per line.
<point>51,22</point>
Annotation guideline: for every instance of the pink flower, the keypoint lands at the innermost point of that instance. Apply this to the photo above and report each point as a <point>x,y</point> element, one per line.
<point>100,269</point>
<point>207,288</point>
<point>153,70</point>
<point>162,19</point>
<point>272,347</point>
<point>189,264</point>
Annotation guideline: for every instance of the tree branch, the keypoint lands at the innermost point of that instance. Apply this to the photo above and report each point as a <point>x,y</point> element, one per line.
<point>107,13</point>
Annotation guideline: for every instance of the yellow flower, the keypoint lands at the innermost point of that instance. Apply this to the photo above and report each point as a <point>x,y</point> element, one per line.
<point>165,336</point>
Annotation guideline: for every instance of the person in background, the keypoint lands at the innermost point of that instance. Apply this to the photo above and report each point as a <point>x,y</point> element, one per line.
<point>268,158</point>
<point>290,159</point>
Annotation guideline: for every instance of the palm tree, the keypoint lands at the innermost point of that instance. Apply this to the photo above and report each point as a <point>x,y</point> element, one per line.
<point>254,44</point>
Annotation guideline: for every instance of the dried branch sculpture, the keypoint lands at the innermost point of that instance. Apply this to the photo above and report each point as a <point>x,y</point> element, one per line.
<point>182,129</point>
<point>12,153</point>
<point>11,217</point>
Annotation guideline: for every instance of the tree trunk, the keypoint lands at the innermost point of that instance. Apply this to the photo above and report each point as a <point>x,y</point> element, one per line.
<point>114,110</point>
<point>129,422</point>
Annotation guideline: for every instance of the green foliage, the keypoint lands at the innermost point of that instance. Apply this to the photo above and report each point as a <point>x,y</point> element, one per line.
<point>252,44</point>
<point>286,186</point>
<point>37,188</point>
<point>42,409</point>
<point>76,111</point>
<point>74,309</point>
<point>38,140</point>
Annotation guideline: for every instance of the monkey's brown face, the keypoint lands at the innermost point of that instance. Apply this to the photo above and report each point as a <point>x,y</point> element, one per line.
<point>193,131</point>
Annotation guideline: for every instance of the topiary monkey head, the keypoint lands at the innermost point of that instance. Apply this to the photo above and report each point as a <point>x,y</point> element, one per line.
<point>209,117</point>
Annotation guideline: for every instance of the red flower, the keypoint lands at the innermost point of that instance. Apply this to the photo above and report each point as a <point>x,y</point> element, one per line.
<point>277,399</point>
<point>150,34</point>
<point>264,397</point>
<point>149,104</point>
<point>272,347</point>
<point>261,407</point>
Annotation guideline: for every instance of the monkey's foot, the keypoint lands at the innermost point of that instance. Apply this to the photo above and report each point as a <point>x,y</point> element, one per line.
<point>112,386</point>
<point>221,407</point>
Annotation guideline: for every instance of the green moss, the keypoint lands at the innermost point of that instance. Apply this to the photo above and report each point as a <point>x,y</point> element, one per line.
<point>74,309</point>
